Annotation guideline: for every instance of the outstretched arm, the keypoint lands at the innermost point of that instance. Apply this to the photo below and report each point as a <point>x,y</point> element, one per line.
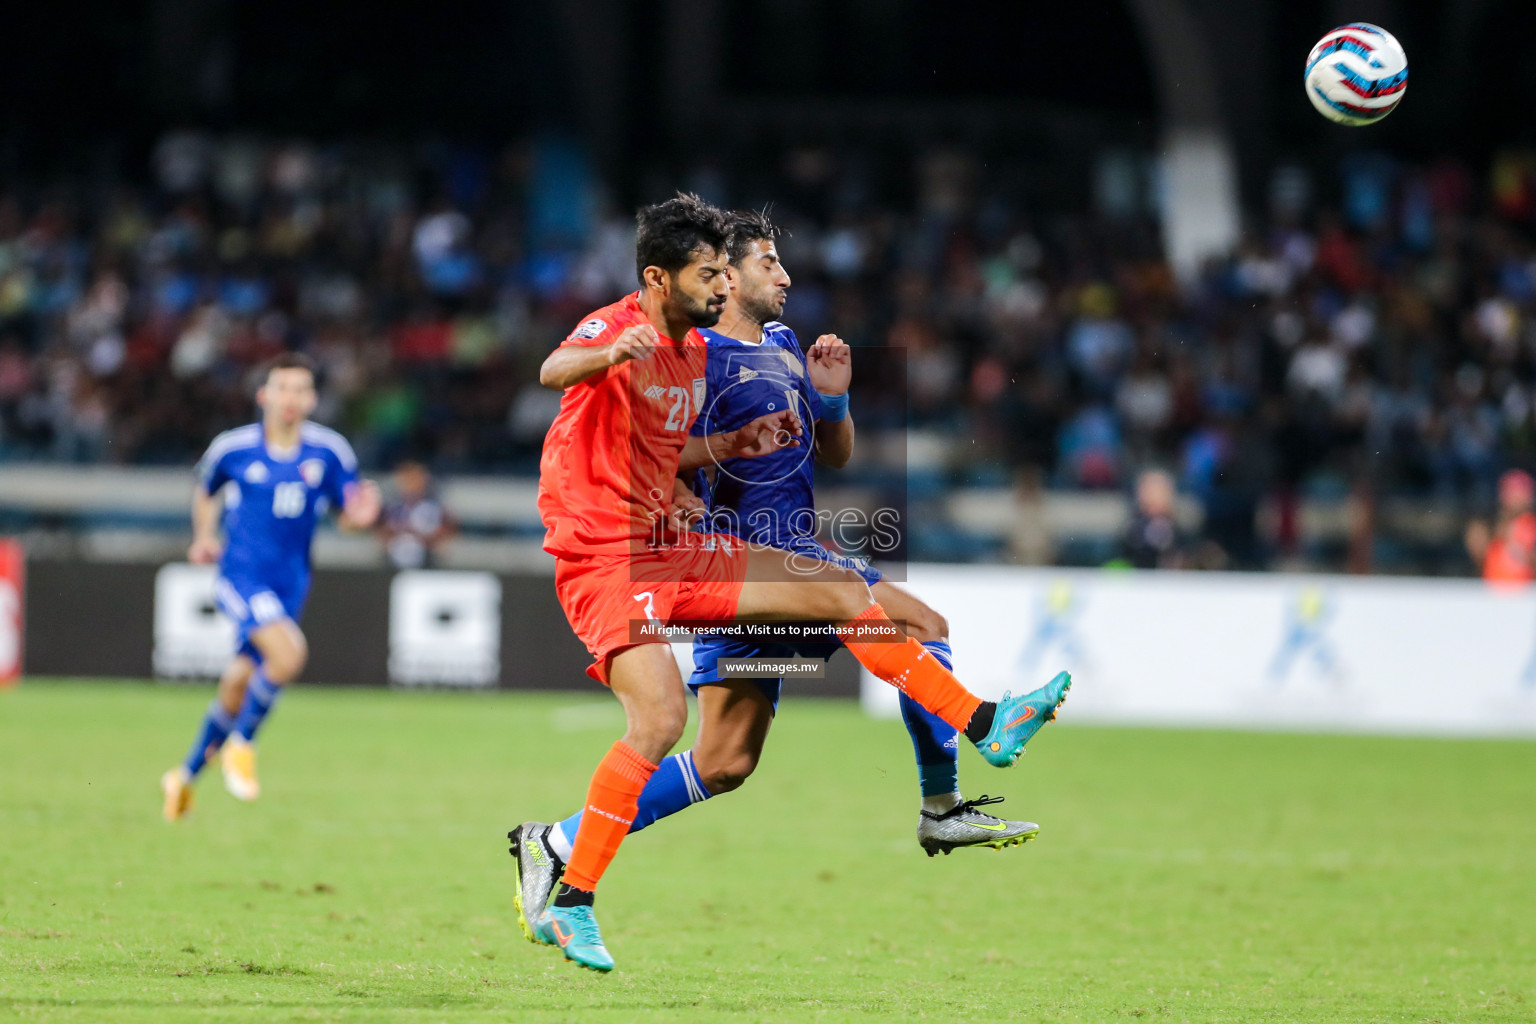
<point>569,365</point>
<point>767,433</point>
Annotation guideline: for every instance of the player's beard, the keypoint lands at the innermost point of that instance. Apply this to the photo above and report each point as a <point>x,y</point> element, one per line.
<point>762,309</point>
<point>699,313</point>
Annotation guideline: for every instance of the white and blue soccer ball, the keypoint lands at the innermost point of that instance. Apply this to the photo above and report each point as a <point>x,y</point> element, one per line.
<point>1357,74</point>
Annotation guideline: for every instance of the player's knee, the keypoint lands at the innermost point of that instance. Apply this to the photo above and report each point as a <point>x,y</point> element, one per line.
<point>672,724</point>
<point>658,728</point>
<point>856,597</point>
<point>284,666</point>
<point>727,774</point>
<point>927,625</point>
<point>850,599</point>
<point>287,669</point>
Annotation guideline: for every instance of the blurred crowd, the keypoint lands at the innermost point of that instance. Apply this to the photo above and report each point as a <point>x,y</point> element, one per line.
<point>133,316</point>
<point>1376,328</point>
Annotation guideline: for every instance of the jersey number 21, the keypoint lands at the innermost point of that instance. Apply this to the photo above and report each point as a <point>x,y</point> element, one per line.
<point>678,418</point>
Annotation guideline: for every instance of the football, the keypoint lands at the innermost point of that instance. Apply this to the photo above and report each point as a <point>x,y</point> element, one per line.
<point>1356,74</point>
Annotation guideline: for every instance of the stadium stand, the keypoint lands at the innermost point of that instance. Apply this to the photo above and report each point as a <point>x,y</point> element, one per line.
<point>1373,357</point>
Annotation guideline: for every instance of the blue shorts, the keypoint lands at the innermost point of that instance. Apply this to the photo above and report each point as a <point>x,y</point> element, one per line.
<point>811,548</point>
<point>251,603</point>
<point>707,653</point>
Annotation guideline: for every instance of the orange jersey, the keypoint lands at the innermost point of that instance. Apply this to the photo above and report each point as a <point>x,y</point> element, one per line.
<point>605,478</point>
<point>1510,552</point>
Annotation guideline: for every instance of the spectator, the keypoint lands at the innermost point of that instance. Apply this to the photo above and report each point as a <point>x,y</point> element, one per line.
<point>1029,535</point>
<point>1153,540</point>
<point>414,525</point>
<point>1391,341</point>
<point>1506,551</point>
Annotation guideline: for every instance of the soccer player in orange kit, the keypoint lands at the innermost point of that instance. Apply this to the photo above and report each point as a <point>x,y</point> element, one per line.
<point>633,377</point>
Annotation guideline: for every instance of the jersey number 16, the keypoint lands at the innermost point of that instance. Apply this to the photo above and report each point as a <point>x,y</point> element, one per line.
<point>289,499</point>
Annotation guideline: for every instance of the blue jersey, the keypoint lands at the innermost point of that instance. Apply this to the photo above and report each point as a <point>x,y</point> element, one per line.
<point>770,499</point>
<point>273,501</point>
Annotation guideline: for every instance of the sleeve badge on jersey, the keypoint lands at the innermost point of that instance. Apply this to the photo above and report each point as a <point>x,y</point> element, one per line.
<point>698,394</point>
<point>589,329</point>
<point>313,471</point>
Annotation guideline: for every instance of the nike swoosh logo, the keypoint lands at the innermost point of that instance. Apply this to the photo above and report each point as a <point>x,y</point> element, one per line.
<point>1029,713</point>
<point>562,936</point>
<point>1000,826</point>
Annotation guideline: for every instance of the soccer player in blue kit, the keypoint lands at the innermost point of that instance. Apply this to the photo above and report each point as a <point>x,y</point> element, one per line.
<point>272,481</point>
<point>755,366</point>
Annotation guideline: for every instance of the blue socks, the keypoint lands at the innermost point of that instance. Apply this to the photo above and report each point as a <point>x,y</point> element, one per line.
<point>673,786</point>
<point>260,695</point>
<point>215,730</point>
<point>676,785</point>
<point>934,740</point>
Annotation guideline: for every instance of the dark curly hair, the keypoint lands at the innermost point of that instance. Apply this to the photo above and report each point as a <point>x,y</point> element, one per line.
<point>671,232</point>
<point>745,227</point>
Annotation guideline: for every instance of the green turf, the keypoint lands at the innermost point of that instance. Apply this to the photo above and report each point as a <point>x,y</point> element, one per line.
<point>1182,876</point>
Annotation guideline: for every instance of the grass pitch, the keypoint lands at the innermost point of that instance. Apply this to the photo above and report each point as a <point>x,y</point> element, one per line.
<point>1182,876</point>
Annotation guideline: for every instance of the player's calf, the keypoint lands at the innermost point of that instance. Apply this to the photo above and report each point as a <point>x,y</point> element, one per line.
<point>724,774</point>
<point>923,624</point>
<point>645,680</point>
<point>284,650</point>
<point>283,654</point>
<point>675,786</point>
<point>238,762</point>
<point>176,784</point>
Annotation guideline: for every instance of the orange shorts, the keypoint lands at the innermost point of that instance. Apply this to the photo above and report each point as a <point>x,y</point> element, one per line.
<point>603,595</point>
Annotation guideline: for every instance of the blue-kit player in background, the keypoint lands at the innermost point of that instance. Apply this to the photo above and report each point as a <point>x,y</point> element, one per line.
<point>268,484</point>
<point>755,366</point>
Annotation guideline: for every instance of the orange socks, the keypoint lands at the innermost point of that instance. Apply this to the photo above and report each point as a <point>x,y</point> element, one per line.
<point>911,669</point>
<point>614,795</point>
<point>612,800</point>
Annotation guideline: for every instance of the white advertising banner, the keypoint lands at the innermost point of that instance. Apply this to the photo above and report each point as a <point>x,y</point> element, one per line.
<point>445,628</point>
<point>1414,656</point>
<point>193,639</point>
